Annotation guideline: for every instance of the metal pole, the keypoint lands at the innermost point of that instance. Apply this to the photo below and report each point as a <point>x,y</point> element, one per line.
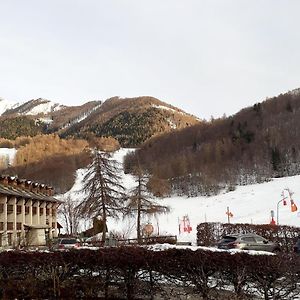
<point>278,209</point>
<point>277,213</point>
<point>228,218</point>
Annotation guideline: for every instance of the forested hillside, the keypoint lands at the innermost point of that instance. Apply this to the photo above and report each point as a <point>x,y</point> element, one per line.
<point>53,140</point>
<point>131,120</point>
<point>254,145</point>
<point>48,159</point>
<point>11,128</point>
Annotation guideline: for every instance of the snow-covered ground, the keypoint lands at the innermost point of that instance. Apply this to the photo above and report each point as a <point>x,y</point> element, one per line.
<point>44,108</point>
<point>7,155</point>
<point>81,117</point>
<point>5,105</point>
<point>162,247</point>
<point>248,204</point>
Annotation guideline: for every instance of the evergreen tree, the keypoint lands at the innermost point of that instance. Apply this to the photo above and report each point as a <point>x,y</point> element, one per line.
<point>103,189</point>
<point>141,202</point>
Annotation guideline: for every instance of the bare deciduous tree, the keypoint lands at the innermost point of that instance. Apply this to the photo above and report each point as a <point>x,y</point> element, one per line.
<point>141,202</point>
<point>70,214</point>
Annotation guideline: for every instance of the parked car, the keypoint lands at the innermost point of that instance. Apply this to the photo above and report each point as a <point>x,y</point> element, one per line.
<point>297,246</point>
<point>248,241</point>
<point>66,243</point>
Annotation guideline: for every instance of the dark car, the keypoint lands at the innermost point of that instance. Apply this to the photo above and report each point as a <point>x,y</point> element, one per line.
<point>297,246</point>
<point>66,243</point>
<point>248,241</point>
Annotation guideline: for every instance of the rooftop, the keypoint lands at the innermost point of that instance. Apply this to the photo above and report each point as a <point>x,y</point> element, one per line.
<point>12,185</point>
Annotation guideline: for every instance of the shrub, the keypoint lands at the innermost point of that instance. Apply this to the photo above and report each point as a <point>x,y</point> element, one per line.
<point>209,233</point>
<point>134,272</point>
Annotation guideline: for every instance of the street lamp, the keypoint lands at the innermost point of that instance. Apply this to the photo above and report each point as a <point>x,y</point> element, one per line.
<point>284,201</point>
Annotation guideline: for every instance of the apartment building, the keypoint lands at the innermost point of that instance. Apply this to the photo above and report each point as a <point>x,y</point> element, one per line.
<point>28,212</point>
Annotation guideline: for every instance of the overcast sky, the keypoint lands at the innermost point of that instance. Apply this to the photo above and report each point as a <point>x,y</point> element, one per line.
<point>205,57</point>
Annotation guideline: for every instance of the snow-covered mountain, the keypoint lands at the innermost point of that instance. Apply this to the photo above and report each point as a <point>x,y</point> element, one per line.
<point>130,120</point>
<point>248,204</point>
<point>7,105</point>
<point>32,107</point>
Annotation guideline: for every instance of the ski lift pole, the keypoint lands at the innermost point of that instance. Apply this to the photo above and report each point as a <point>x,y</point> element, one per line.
<point>277,211</point>
<point>228,215</point>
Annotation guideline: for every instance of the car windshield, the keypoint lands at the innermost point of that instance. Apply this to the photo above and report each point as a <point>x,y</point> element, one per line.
<point>227,239</point>
<point>261,240</point>
<point>68,241</point>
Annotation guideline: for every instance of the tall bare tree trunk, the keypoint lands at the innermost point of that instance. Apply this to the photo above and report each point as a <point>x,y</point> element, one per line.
<point>104,219</point>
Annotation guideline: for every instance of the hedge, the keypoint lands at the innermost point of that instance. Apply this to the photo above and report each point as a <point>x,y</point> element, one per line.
<point>138,273</point>
<point>208,234</point>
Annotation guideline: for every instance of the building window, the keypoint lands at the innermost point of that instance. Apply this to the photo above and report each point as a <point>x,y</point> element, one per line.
<point>34,210</point>
<point>53,212</point>
<point>19,226</point>
<point>47,211</point>
<point>1,226</point>
<point>26,210</point>
<point>10,226</point>
<point>1,207</point>
<point>9,239</point>
<point>41,210</point>
<point>10,208</point>
<point>19,209</point>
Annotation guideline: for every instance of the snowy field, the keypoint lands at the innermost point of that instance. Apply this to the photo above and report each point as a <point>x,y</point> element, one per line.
<point>248,204</point>
<point>7,155</point>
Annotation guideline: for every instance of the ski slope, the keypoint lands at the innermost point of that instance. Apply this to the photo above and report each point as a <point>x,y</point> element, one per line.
<point>248,204</point>
<point>7,155</point>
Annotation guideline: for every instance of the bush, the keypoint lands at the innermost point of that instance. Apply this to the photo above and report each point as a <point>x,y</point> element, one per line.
<point>134,272</point>
<point>208,234</point>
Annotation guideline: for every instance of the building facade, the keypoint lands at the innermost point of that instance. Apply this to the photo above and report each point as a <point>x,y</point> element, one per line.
<point>28,212</point>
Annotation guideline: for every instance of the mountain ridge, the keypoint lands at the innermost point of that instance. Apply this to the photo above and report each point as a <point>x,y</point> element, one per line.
<point>257,143</point>
<point>116,117</point>
<point>187,156</point>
